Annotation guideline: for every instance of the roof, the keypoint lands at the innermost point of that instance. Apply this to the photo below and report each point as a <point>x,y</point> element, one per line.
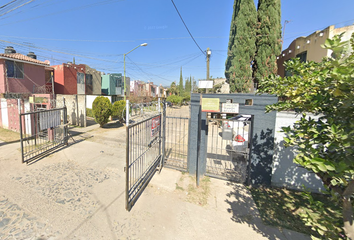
<point>19,56</point>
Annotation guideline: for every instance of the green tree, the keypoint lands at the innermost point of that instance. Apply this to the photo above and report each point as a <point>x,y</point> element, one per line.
<point>268,39</point>
<point>325,144</point>
<point>118,110</point>
<point>187,86</point>
<point>194,86</point>
<point>173,88</point>
<point>102,109</point>
<point>242,47</point>
<point>180,85</point>
<point>177,100</point>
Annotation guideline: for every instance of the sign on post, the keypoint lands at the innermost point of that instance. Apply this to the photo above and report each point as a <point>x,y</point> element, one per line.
<point>230,108</point>
<point>210,105</point>
<point>205,84</point>
<point>155,126</point>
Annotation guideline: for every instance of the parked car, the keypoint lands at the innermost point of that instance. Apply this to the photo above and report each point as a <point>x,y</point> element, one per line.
<point>169,104</point>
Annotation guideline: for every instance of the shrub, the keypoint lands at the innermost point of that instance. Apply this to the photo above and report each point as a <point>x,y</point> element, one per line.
<point>118,110</point>
<point>89,112</point>
<point>175,99</point>
<point>102,109</point>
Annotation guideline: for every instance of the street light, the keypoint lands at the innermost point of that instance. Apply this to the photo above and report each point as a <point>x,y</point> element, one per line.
<point>125,86</point>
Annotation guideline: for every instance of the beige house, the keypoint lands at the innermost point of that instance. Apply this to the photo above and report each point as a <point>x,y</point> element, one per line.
<point>309,48</point>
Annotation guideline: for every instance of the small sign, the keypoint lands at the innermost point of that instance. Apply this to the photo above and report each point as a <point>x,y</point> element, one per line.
<point>205,84</point>
<point>31,99</point>
<point>155,126</point>
<point>210,105</point>
<point>230,108</point>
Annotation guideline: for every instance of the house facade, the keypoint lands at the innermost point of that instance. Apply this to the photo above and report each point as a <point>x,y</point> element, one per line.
<point>72,78</point>
<point>113,84</point>
<point>24,80</point>
<point>309,48</point>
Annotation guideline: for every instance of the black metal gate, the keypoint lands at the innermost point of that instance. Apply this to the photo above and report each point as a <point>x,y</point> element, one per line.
<point>228,148</point>
<point>176,146</point>
<point>144,154</point>
<point>41,132</point>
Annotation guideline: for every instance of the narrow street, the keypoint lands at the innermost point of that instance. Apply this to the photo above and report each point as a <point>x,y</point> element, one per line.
<point>78,193</point>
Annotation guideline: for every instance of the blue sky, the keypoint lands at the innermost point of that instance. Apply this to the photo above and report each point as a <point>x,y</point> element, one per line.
<point>99,32</point>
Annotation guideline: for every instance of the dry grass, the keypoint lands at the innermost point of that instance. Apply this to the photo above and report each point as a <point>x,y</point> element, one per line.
<point>191,193</point>
<point>9,136</point>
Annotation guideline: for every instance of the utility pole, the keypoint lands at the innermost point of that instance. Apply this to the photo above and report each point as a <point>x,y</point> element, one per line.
<point>282,39</point>
<point>208,52</point>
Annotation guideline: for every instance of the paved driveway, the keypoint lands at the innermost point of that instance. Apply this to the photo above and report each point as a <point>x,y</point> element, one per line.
<point>78,193</point>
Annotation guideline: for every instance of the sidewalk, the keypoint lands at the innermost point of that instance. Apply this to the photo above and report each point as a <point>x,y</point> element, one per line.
<point>78,193</point>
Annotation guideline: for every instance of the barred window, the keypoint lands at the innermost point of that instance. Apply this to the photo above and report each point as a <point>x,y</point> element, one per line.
<point>88,79</point>
<point>80,78</point>
<point>14,69</point>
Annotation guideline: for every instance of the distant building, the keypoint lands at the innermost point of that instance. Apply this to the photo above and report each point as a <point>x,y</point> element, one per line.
<point>161,91</point>
<point>143,89</point>
<point>309,48</point>
<point>72,78</point>
<point>113,84</point>
<point>135,87</point>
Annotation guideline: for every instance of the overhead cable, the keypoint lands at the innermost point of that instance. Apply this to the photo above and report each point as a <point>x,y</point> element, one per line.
<point>187,28</point>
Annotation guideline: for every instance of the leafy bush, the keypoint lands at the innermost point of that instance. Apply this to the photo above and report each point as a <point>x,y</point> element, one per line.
<point>118,110</point>
<point>102,109</point>
<point>175,99</point>
<point>89,112</point>
<point>324,145</point>
<point>186,96</point>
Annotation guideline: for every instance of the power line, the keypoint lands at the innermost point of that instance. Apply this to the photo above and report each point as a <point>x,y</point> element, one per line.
<point>8,4</point>
<point>13,9</point>
<point>187,28</point>
<point>67,10</point>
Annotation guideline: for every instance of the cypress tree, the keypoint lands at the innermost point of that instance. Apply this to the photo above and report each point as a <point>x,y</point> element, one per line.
<point>187,86</point>
<point>180,86</point>
<point>242,47</point>
<point>268,40</point>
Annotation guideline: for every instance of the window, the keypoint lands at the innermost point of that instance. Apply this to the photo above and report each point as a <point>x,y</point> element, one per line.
<point>88,79</point>
<point>14,69</point>
<point>119,83</point>
<point>249,102</point>
<point>302,56</point>
<point>80,78</point>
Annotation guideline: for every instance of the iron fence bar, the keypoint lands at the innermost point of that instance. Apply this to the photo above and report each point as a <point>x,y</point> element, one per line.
<point>163,132</point>
<point>160,143</point>
<point>65,126</point>
<point>177,117</point>
<point>21,135</point>
<point>250,137</point>
<point>42,137</point>
<point>46,110</point>
<point>143,154</point>
<point>127,171</point>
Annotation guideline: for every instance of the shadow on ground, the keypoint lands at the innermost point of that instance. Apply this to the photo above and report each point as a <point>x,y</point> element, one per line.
<point>245,211</point>
<point>114,124</point>
<point>5,143</point>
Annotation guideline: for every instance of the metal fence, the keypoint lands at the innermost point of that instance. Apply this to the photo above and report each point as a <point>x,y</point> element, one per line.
<point>41,132</point>
<point>176,142</point>
<point>141,111</point>
<point>228,149</point>
<point>143,156</point>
